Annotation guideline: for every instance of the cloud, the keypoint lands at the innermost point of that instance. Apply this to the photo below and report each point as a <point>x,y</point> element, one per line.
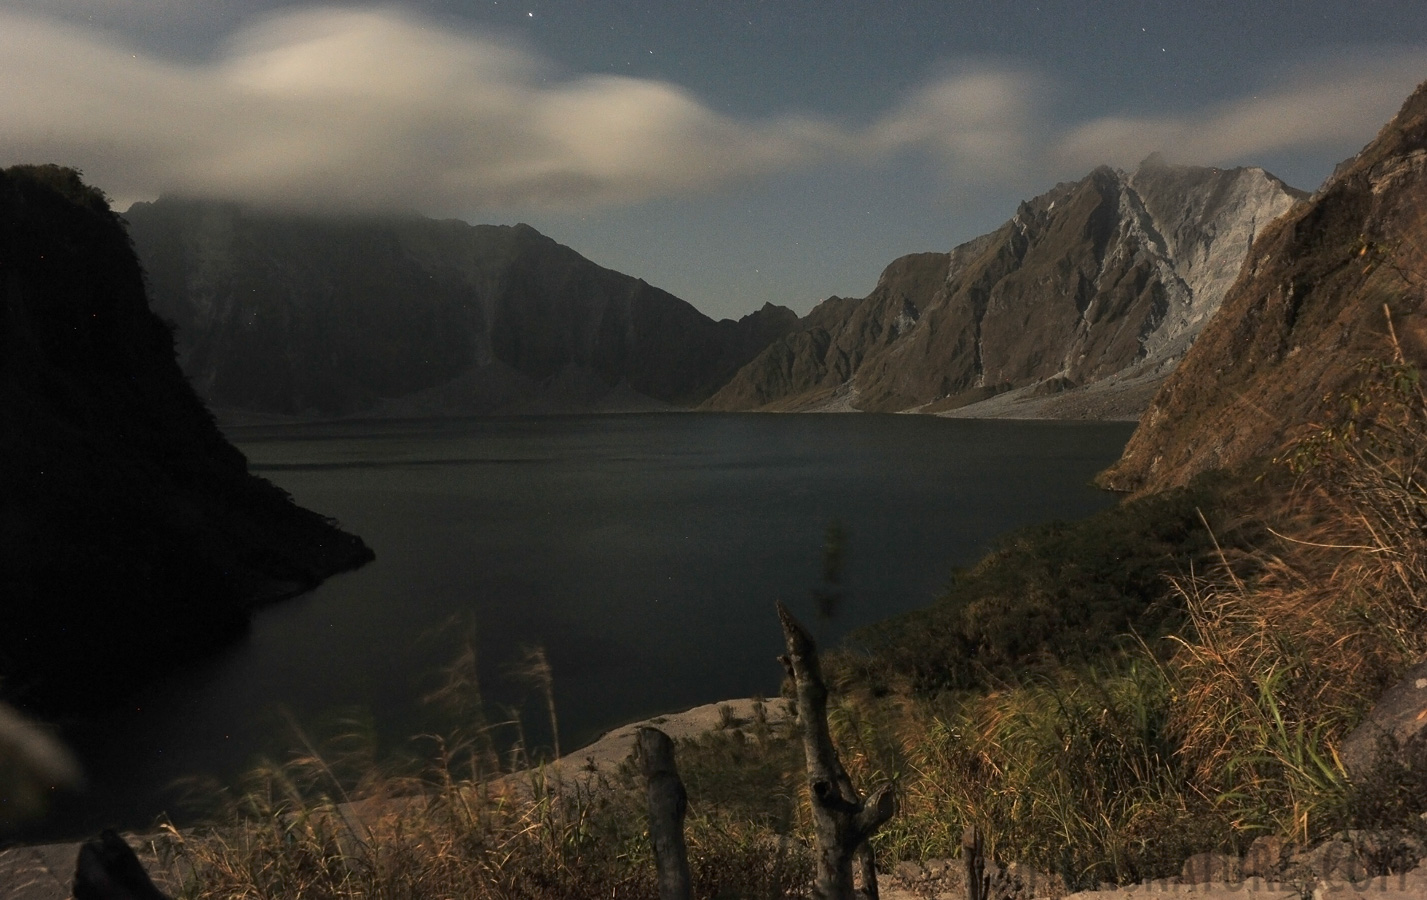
<point>1331,106</point>
<point>368,109</point>
<point>981,121</point>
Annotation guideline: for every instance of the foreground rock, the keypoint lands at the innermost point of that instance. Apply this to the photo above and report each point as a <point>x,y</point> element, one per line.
<point>599,763</point>
<point>1104,282</point>
<point>1394,732</point>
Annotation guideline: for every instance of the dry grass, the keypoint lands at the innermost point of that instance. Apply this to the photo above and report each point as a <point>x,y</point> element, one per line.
<point>1074,775</point>
<point>1280,664</point>
<point>344,823</point>
<point>294,833</point>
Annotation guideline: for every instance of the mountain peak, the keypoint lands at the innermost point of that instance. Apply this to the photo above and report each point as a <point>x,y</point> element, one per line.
<point>1090,279</point>
<point>1155,160</point>
<point>1305,310</point>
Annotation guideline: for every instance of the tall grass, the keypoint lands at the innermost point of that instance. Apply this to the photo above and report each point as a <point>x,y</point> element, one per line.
<point>1280,664</point>
<point>1074,775</point>
<point>298,831</point>
<point>339,819</point>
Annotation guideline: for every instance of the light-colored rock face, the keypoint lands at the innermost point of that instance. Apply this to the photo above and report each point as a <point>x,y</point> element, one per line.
<point>1096,287</point>
<point>1304,312</point>
<point>1205,220</point>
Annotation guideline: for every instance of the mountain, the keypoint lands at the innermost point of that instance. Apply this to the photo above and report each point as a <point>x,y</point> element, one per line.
<point>403,315</point>
<point>1305,312</point>
<point>1077,306</point>
<point>132,536</point>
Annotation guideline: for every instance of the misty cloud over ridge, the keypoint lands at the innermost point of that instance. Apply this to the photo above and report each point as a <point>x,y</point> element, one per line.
<point>1322,106</point>
<point>365,109</point>
<point>374,109</point>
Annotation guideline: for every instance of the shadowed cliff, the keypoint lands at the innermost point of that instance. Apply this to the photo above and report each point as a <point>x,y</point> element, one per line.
<point>132,536</point>
<point>401,315</point>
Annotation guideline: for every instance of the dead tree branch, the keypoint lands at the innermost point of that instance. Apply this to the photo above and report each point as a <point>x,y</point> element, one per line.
<point>842,820</point>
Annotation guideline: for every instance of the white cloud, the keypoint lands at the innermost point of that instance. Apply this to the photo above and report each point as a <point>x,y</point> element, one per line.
<point>980,121</point>
<point>375,108</point>
<point>1330,106</point>
<point>367,109</point>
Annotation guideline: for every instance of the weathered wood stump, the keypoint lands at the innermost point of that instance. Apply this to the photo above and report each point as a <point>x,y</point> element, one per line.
<point>842,821</point>
<point>973,856</point>
<point>668,803</point>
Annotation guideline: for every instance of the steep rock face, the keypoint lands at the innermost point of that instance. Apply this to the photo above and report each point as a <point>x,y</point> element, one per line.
<point>1103,279</point>
<point>131,534</point>
<point>329,316</point>
<point>1305,311</point>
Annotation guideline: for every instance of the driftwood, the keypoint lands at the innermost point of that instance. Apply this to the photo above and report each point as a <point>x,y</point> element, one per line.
<point>842,820</point>
<point>108,869</point>
<point>667,804</point>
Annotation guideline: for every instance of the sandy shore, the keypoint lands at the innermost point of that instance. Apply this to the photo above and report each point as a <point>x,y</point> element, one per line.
<point>603,758</point>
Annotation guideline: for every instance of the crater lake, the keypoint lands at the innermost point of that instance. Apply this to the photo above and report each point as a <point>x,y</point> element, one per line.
<point>642,554</point>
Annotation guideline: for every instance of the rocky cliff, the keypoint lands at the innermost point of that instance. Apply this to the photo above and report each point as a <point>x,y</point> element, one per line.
<point>131,535</point>
<point>1306,310</point>
<point>307,315</point>
<point>1078,305</point>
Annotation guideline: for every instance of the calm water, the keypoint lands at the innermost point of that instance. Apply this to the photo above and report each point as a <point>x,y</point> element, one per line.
<point>643,553</point>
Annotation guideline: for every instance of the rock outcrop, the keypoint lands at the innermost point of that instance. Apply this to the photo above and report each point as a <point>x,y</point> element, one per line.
<point>1306,310</point>
<point>1097,286</point>
<point>1395,728</point>
<point>326,316</point>
<point>132,536</point>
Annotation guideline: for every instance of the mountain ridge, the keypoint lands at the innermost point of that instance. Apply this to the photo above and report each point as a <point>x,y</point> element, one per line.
<point>1306,310</point>
<point>328,316</point>
<point>1083,283</point>
<point>132,536</point>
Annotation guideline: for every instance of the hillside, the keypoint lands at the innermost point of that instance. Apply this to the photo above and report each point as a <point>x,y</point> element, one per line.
<point>328,316</point>
<point>1305,312</point>
<point>131,535</point>
<point>1103,282</point>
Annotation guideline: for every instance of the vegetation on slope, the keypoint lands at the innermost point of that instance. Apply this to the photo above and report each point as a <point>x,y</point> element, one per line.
<point>1121,764</point>
<point>1061,593</point>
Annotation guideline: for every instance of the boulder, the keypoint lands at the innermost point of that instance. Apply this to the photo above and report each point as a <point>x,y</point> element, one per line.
<point>1207,868</point>
<point>1264,857</point>
<point>1392,726</point>
<point>108,869</point>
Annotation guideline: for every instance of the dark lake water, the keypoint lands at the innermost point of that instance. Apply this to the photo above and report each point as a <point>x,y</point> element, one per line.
<point>643,553</point>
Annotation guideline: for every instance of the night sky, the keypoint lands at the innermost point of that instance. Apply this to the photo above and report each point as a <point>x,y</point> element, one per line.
<point>730,151</point>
